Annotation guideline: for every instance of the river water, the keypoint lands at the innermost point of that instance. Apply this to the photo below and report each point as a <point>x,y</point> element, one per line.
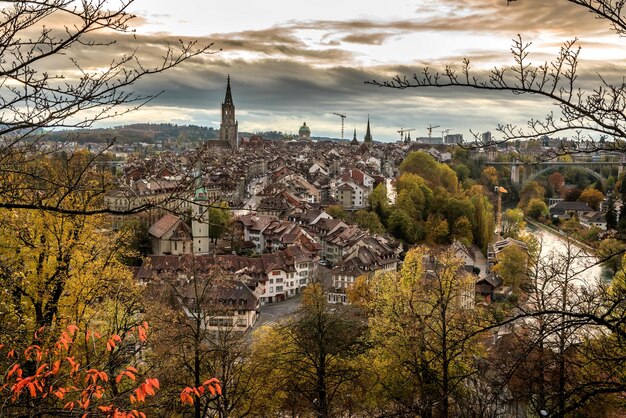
<point>585,266</point>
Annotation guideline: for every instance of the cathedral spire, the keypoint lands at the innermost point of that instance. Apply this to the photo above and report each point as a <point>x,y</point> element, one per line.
<point>229,129</point>
<point>368,133</point>
<point>228,100</point>
<point>354,140</point>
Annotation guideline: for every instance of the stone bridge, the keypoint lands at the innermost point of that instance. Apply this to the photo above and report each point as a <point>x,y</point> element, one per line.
<point>540,168</point>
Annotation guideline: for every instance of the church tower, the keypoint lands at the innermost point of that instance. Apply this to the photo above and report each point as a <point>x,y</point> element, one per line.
<point>368,134</point>
<point>229,126</point>
<point>354,140</point>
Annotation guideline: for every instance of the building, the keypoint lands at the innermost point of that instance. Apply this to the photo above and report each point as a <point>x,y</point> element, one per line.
<point>200,219</point>
<point>565,210</point>
<point>352,196</point>
<point>229,126</point>
<point>170,235</point>
<point>367,139</point>
<point>304,132</point>
<point>453,139</point>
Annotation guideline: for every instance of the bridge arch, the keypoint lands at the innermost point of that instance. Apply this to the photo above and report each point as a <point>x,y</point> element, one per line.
<point>544,170</point>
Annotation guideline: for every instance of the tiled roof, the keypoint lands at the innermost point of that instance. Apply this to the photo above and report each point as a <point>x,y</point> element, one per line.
<point>160,227</point>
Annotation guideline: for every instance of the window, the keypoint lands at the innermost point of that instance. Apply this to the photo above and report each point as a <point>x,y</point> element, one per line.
<point>279,288</point>
<point>271,281</point>
<point>271,289</point>
<point>275,272</point>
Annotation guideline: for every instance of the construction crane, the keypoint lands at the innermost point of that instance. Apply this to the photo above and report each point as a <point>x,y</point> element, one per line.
<point>402,131</point>
<point>444,133</point>
<point>500,190</point>
<point>430,129</point>
<point>343,117</point>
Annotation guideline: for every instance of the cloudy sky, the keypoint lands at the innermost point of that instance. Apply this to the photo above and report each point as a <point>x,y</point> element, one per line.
<point>293,61</point>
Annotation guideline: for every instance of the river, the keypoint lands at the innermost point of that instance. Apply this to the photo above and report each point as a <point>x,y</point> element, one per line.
<point>586,266</point>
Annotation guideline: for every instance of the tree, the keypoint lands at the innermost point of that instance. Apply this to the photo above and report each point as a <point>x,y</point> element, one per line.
<point>513,223</point>
<point>484,224</point>
<point>611,251</point>
<point>421,325</point>
<point>513,267</point>
<point>56,266</point>
<point>38,49</point>
<point>308,362</point>
<point>530,190</point>
<point>369,221</point>
<point>402,226</point>
<point>592,197</point>
<point>337,212</point>
<point>425,166</point>
<point>193,307</point>
<point>489,177</point>
<point>219,220</point>
<point>77,376</point>
<point>437,229</point>
<point>462,231</point>
<point>537,208</point>
<point>379,202</point>
<point>557,181</point>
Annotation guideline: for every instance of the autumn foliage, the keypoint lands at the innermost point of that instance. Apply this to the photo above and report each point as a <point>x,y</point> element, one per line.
<point>49,376</point>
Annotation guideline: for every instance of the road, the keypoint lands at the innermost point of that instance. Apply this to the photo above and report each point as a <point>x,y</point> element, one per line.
<point>275,312</point>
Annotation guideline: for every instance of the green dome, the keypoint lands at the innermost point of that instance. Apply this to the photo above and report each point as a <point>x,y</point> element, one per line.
<point>304,129</point>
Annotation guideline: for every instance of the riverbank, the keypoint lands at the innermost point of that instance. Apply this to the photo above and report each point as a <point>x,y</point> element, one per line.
<point>562,235</point>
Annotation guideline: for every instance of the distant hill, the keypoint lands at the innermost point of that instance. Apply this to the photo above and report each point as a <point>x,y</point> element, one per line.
<point>139,132</point>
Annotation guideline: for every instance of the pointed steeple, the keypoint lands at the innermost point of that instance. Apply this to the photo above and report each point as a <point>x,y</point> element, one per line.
<point>354,140</point>
<point>368,133</point>
<point>228,100</point>
<point>229,129</point>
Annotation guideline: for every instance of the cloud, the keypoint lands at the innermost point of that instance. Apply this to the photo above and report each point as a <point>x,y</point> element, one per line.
<point>307,69</point>
<point>368,38</point>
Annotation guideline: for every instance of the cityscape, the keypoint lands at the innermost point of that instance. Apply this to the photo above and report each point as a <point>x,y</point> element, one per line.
<point>291,215</point>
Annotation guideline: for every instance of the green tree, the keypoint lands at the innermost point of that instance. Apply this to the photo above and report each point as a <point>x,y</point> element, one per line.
<point>611,250</point>
<point>134,242</point>
<point>414,196</point>
<point>219,220</point>
<point>379,202</point>
<point>531,190</point>
<point>437,229</point>
<point>369,221</point>
<point>512,266</point>
<point>513,223</point>
<point>462,172</point>
<point>536,209</point>
<point>483,222</point>
<point>402,226</point>
<point>462,231</point>
<point>425,166</point>
<point>337,212</point>
<point>420,163</point>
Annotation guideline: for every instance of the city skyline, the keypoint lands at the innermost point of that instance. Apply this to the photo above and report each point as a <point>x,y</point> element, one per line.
<point>288,66</point>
